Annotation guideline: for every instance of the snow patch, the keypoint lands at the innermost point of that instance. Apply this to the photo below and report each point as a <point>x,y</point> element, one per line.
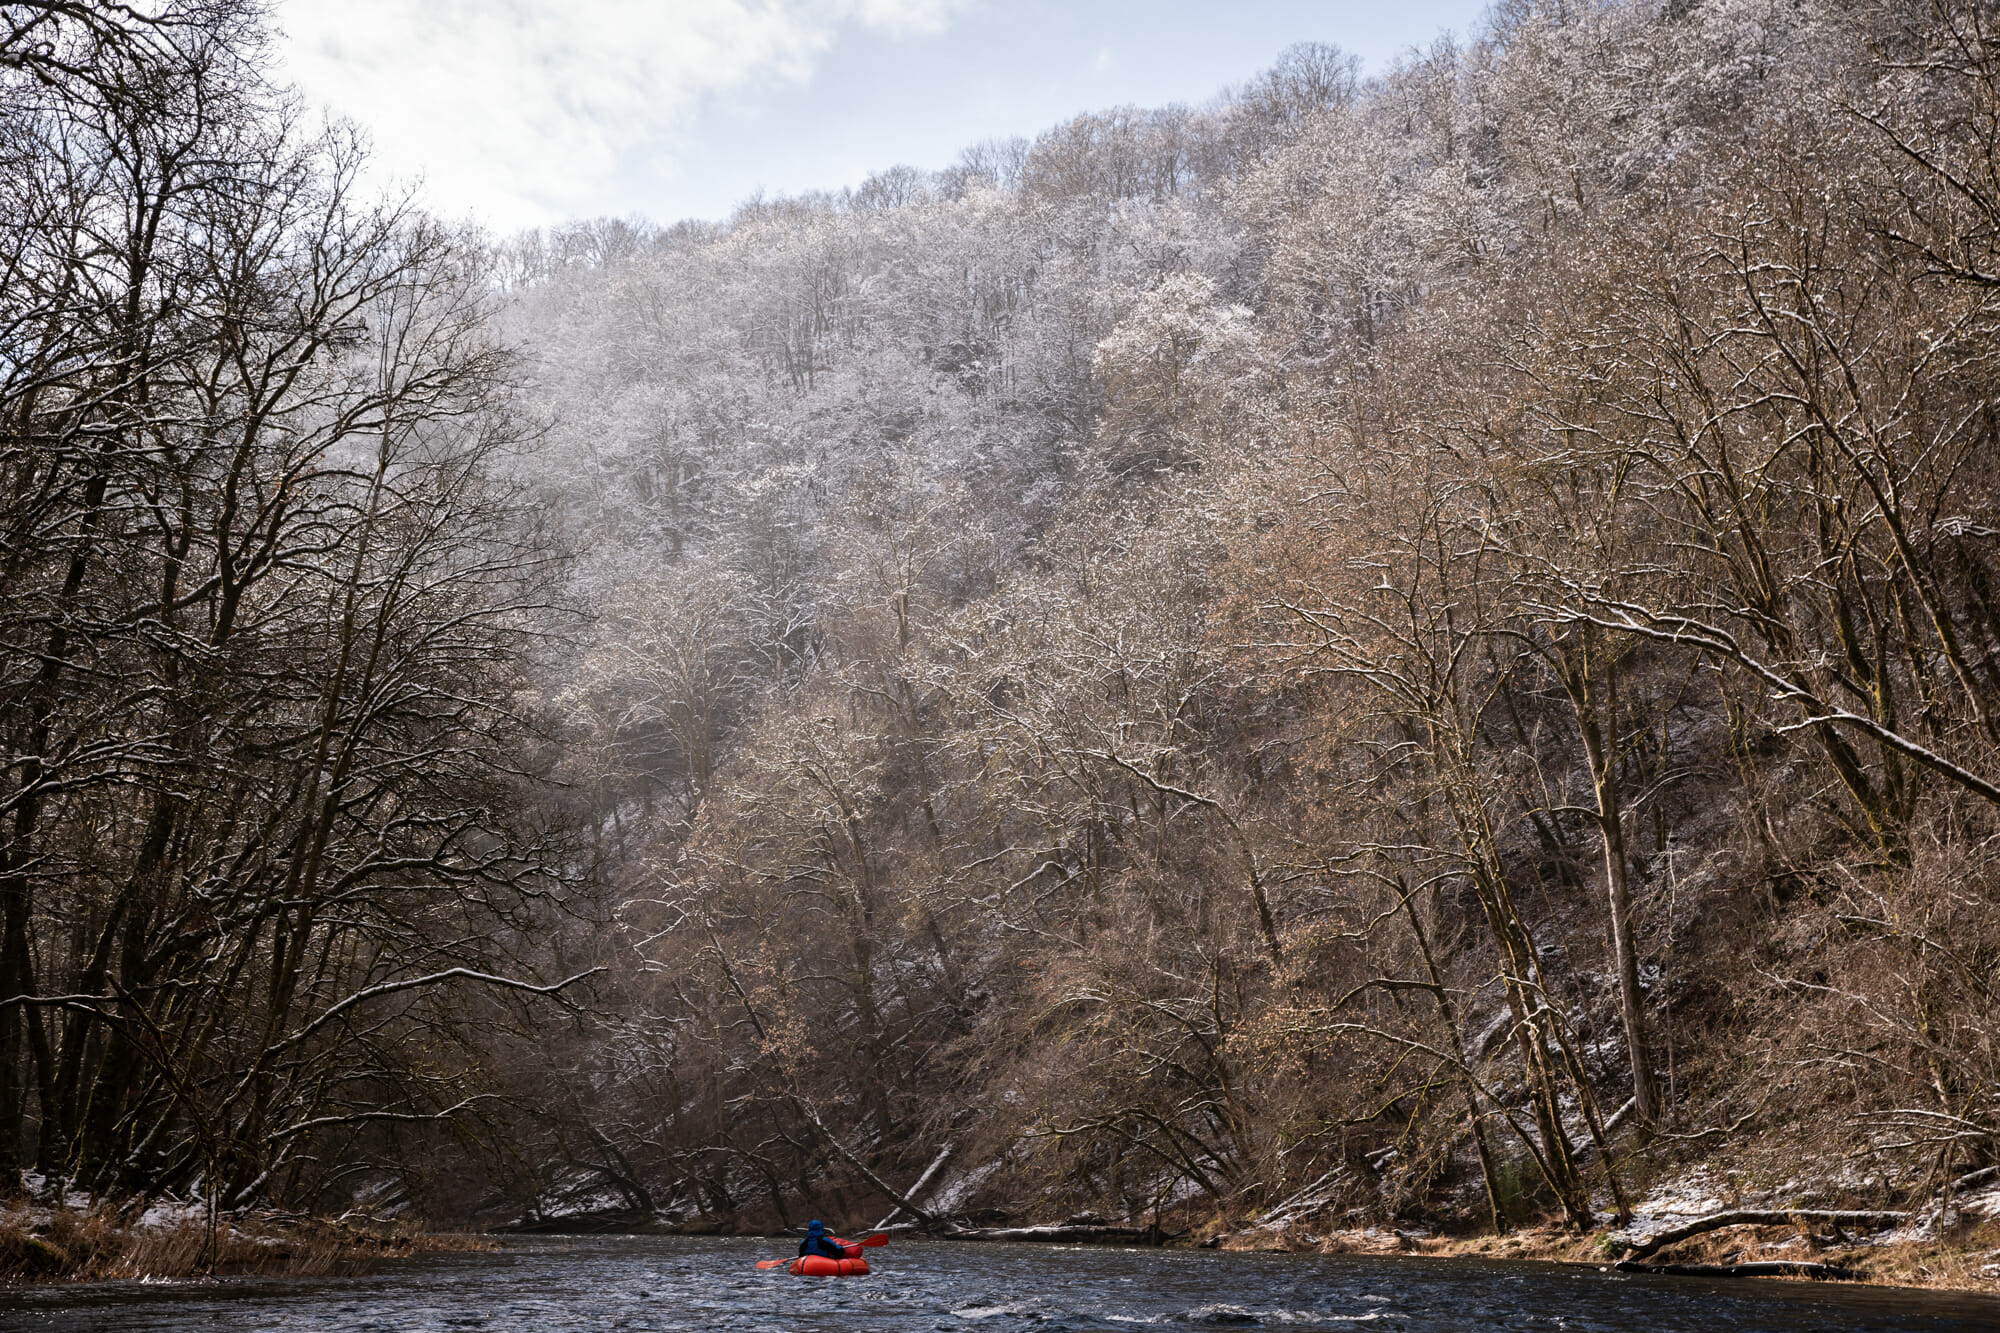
<point>1981,1203</point>
<point>169,1214</point>
<point>951,1196</point>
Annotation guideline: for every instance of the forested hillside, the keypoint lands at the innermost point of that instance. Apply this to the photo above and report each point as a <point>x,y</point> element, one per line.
<point>1425,644</point>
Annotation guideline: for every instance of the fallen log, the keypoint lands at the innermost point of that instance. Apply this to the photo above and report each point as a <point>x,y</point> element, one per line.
<point>1066,1234</point>
<point>606,1221</point>
<point>916,1191</point>
<point>1760,1217</point>
<point>846,1154</point>
<point>1761,1268</point>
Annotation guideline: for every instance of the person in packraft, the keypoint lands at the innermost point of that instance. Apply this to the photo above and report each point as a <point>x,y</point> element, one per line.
<point>818,1242</point>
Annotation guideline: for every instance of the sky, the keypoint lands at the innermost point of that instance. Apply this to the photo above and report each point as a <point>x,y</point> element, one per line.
<point>520,113</point>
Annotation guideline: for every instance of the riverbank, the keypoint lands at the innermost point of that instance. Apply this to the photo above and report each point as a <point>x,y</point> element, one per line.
<point>1759,1216</point>
<point>588,1283</point>
<point>134,1239</point>
<point>1962,1256</point>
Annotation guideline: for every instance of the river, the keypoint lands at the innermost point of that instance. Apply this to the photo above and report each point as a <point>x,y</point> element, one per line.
<point>556,1285</point>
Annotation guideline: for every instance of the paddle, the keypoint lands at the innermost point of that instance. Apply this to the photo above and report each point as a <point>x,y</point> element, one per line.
<point>875,1241</point>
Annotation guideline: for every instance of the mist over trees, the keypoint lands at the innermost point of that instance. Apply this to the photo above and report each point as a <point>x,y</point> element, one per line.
<point>1423,643</point>
<point>265,605</point>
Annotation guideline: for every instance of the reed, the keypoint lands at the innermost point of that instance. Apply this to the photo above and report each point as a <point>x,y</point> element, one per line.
<point>108,1241</point>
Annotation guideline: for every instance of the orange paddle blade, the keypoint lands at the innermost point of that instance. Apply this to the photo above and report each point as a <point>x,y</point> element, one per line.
<point>871,1241</point>
<point>875,1241</point>
<point>772,1263</point>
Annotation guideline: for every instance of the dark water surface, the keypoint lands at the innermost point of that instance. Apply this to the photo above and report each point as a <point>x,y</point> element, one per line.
<point>556,1285</point>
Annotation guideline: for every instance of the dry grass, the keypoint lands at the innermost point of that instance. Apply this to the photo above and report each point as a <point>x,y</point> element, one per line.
<point>1966,1260</point>
<point>67,1244</point>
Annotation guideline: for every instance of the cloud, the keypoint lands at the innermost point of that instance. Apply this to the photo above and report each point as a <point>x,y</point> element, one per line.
<point>524,111</point>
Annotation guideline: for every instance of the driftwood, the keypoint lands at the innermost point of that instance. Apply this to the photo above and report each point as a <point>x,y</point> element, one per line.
<point>916,1191</point>
<point>1760,1217</point>
<point>1765,1268</point>
<point>902,1201</point>
<point>603,1222</point>
<point>1066,1234</point>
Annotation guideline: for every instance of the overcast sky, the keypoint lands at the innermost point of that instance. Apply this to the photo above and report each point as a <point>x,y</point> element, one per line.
<point>525,112</point>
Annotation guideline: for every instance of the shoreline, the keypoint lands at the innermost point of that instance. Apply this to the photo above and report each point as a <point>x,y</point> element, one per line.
<point>55,1245</point>
<point>43,1244</point>
<point>1967,1259</point>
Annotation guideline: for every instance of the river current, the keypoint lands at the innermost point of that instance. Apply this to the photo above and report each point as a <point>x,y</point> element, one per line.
<point>556,1285</point>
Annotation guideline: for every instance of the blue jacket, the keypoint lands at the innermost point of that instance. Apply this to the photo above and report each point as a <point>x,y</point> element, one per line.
<point>818,1242</point>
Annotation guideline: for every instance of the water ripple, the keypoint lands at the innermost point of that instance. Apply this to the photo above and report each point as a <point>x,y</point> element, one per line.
<point>661,1284</point>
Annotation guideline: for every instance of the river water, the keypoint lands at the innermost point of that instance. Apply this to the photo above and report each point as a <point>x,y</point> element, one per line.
<point>557,1285</point>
